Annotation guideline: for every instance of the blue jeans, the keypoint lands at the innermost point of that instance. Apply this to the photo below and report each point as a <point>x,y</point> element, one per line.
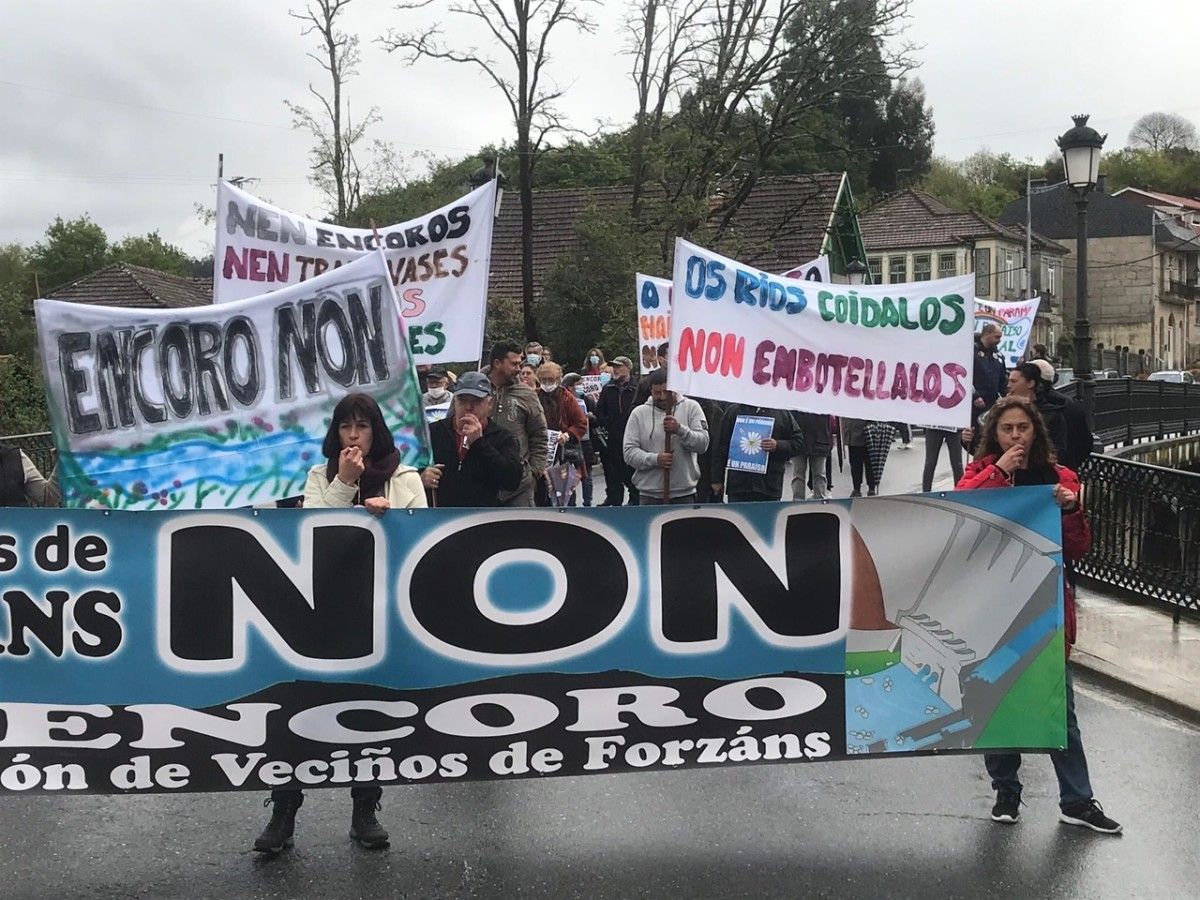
<point>1070,765</point>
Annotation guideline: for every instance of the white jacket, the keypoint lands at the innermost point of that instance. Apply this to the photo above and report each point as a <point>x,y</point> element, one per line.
<point>404,490</point>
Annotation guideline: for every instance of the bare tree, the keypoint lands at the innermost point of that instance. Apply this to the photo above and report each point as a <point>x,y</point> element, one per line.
<point>1163,131</point>
<point>522,30</point>
<point>751,71</point>
<point>335,169</point>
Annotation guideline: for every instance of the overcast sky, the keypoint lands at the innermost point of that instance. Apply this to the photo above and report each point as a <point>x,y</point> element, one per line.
<point>119,108</point>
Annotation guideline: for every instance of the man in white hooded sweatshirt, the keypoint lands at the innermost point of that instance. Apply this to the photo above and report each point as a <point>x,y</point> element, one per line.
<point>665,414</point>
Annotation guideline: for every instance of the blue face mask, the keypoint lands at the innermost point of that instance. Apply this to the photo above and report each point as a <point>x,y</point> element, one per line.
<point>605,377</point>
<point>594,360</point>
<point>579,390</point>
<point>534,360</point>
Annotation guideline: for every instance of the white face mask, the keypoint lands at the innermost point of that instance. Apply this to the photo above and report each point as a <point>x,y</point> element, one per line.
<point>549,386</point>
<point>438,393</point>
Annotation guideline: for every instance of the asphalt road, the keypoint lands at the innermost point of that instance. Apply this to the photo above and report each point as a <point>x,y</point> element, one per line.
<point>872,828</point>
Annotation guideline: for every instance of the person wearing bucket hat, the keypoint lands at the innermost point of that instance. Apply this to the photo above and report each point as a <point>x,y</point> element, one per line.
<point>474,459</point>
<point>1080,439</point>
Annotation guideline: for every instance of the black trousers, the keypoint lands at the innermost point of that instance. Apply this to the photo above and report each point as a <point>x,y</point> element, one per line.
<point>860,462</point>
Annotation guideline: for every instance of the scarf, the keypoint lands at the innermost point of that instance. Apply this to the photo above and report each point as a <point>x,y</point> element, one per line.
<point>373,478</point>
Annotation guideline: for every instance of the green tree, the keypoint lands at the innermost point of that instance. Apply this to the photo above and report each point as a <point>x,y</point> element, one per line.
<point>984,182</point>
<point>71,250</point>
<point>1172,171</point>
<point>22,398</point>
<point>16,306</point>
<point>152,252</point>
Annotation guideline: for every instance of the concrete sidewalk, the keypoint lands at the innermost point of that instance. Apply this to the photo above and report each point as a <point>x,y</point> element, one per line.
<point>1137,649</point>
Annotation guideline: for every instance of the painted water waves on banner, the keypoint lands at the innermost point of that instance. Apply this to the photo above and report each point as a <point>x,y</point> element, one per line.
<point>221,406</point>
<point>653,318</point>
<point>197,651</point>
<point>1016,322</point>
<point>438,263</point>
<point>898,352</point>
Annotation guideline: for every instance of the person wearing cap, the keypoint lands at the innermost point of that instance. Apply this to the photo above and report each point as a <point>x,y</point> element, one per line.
<point>519,412</point>
<point>1080,440</point>
<point>474,459</point>
<point>613,409</point>
<point>437,390</point>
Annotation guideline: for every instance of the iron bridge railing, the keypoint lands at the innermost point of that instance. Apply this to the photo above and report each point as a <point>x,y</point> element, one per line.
<point>1145,530</point>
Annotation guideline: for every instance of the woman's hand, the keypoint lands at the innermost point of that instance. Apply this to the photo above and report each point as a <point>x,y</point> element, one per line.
<point>350,466</point>
<point>1066,499</point>
<point>377,506</point>
<point>1012,459</point>
<point>431,476</point>
<point>564,436</point>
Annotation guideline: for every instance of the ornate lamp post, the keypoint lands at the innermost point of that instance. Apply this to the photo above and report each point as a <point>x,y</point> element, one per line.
<point>856,271</point>
<point>1080,148</point>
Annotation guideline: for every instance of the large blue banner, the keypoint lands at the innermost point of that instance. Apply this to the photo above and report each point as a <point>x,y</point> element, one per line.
<point>242,650</point>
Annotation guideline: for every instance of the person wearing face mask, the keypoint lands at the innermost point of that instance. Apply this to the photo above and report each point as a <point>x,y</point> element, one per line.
<point>593,362</point>
<point>437,391</point>
<point>662,440</point>
<point>613,410</point>
<point>562,415</point>
<point>534,354</point>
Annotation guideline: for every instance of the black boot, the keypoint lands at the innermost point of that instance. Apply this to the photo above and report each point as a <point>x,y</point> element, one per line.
<point>278,833</point>
<point>364,827</point>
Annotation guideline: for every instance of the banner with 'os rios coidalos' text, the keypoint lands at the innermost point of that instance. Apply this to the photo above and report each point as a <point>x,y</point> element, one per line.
<point>897,352</point>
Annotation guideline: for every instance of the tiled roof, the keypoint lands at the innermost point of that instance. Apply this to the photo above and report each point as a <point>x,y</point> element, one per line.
<point>121,284</point>
<point>782,223</point>
<point>1054,214</point>
<point>1190,203</point>
<point>912,219</point>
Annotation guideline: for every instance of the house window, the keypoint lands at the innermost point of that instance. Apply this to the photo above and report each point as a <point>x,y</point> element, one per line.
<point>947,265</point>
<point>921,270</point>
<point>1051,278</point>
<point>1010,270</point>
<point>875,264</point>
<point>983,273</point>
<point>897,269</point>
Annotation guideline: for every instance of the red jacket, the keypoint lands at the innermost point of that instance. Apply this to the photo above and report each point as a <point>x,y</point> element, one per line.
<point>1076,532</point>
<point>563,413</point>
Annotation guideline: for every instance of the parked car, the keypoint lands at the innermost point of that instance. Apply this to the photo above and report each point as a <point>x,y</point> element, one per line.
<point>1064,375</point>
<point>1108,373</point>
<point>1175,376</point>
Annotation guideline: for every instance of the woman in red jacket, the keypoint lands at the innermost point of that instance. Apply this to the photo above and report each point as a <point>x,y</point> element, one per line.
<point>563,415</point>
<point>1015,450</point>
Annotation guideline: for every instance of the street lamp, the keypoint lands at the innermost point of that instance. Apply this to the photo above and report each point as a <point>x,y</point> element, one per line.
<point>856,271</point>
<point>1080,148</point>
<point>485,173</point>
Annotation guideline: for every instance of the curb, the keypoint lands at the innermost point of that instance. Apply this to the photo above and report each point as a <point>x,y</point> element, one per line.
<point>1101,672</point>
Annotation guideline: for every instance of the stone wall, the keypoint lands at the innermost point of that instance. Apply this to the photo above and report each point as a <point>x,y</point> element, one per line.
<point>1121,298</point>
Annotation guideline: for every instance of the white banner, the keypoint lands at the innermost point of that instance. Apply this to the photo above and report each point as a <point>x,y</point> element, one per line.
<point>1015,319</point>
<point>438,263</point>
<point>899,352</point>
<point>653,318</point>
<point>221,406</point>
<point>813,270</point>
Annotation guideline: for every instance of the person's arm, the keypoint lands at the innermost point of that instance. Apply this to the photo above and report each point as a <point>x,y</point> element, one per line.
<point>720,445</point>
<point>982,474</point>
<point>576,423</point>
<point>535,431</point>
<point>500,458</point>
<point>788,439</point>
<point>39,490</point>
<point>693,436</point>
<point>635,456</point>
<point>322,494</point>
<point>603,404</point>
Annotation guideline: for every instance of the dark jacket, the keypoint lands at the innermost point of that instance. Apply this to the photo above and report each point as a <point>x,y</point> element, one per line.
<point>990,378</point>
<point>1052,406</point>
<point>1080,440</point>
<point>493,464</point>
<point>613,409</point>
<point>786,434</point>
<point>815,433</point>
<point>12,477</point>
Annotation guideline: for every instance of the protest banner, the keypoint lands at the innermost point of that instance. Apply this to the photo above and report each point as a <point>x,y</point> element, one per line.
<point>813,270</point>
<point>896,352</point>
<point>200,651</point>
<point>654,307</point>
<point>591,385</point>
<point>435,412</point>
<point>1015,321</point>
<point>746,453</point>
<point>653,318</point>
<point>221,406</point>
<point>438,263</point>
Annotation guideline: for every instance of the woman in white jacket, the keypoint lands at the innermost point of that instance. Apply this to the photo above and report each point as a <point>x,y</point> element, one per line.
<point>362,465</point>
<point>362,468</point>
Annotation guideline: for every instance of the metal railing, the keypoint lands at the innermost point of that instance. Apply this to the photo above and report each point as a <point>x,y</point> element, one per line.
<point>1145,530</point>
<point>1129,410</point>
<point>38,447</point>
